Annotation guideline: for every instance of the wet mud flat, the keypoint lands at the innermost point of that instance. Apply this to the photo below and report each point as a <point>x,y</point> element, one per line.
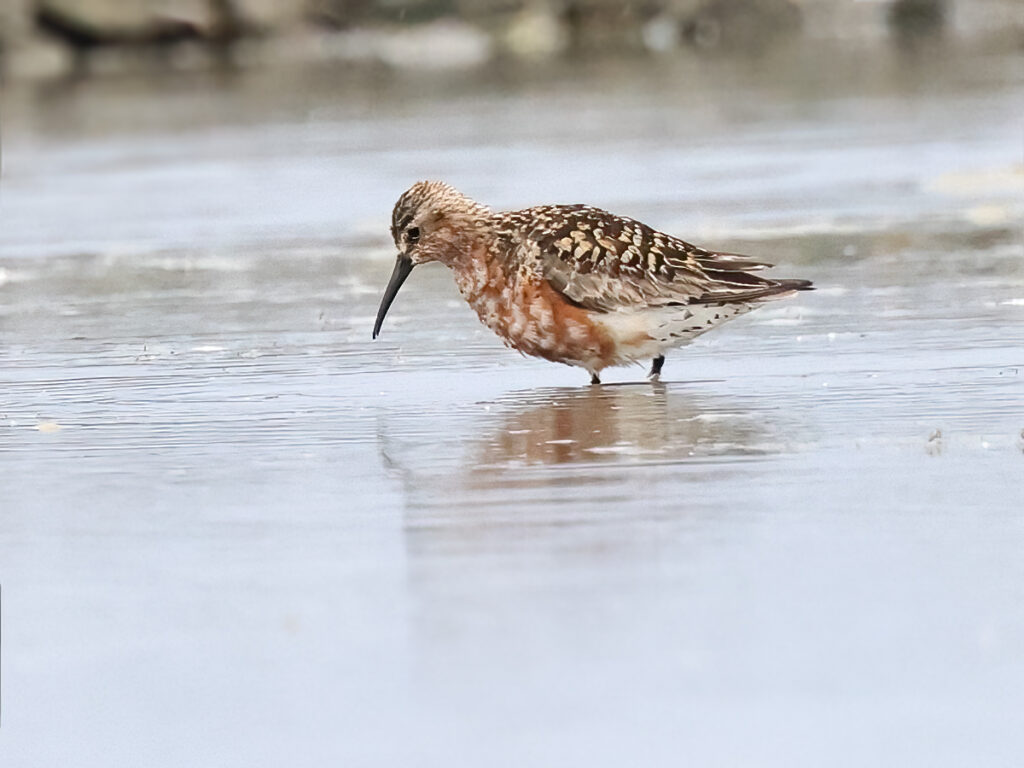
<point>234,529</point>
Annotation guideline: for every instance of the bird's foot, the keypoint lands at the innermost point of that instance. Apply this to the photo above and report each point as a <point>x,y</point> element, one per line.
<point>595,379</point>
<point>655,374</point>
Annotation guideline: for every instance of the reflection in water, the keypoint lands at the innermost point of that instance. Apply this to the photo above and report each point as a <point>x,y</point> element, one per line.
<point>601,423</point>
<point>548,454</point>
<point>590,489</point>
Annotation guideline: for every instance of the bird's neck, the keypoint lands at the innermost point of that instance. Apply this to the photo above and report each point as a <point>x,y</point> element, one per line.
<point>472,240</point>
<point>482,268</point>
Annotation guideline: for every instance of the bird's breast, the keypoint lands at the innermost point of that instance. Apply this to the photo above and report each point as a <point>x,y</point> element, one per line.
<point>530,316</point>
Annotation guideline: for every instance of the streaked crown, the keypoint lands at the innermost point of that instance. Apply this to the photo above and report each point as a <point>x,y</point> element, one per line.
<point>431,201</point>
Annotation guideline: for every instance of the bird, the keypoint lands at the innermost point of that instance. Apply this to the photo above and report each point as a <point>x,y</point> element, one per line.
<point>574,284</point>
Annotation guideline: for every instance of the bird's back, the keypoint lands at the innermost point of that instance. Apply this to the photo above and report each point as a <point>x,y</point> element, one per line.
<point>605,262</point>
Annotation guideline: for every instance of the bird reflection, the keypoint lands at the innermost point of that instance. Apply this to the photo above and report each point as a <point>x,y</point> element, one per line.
<point>529,448</point>
<point>617,422</point>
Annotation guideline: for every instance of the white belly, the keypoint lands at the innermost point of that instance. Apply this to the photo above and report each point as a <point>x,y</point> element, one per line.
<point>646,333</point>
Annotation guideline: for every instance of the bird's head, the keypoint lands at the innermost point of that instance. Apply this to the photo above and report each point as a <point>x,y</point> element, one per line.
<point>432,221</point>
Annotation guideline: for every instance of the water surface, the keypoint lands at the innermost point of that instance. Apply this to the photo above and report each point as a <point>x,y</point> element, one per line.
<point>235,531</point>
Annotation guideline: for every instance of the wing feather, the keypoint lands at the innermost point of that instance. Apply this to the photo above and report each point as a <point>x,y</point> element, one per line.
<point>604,262</point>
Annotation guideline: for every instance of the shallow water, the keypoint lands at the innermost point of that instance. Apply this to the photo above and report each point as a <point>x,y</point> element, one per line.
<point>235,531</point>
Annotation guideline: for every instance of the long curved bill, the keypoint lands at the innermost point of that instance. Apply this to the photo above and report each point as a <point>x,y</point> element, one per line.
<point>403,266</point>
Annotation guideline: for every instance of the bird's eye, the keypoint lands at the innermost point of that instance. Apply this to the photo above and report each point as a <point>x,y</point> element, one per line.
<point>412,234</point>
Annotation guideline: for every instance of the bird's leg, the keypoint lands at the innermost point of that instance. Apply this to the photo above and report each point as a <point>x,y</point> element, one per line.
<point>656,364</point>
<point>594,378</point>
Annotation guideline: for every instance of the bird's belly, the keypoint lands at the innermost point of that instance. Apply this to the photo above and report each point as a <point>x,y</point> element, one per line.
<point>648,332</point>
<point>529,316</point>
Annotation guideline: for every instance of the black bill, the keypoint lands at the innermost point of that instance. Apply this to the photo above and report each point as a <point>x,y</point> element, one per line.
<point>403,266</point>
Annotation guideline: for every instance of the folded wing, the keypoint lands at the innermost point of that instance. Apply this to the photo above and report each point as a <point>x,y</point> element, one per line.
<point>604,262</point>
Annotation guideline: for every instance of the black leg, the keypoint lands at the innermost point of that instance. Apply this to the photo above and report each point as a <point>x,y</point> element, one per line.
<point>595,379</point>
<point>656,367</point>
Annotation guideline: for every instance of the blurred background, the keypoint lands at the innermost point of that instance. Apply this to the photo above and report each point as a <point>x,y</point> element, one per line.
<point>236,531</point>
<point>46,36</point>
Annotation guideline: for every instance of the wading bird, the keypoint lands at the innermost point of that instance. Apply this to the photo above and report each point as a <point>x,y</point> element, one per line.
<point>571,283</point>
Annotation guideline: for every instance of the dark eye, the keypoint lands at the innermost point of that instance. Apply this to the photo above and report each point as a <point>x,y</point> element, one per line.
<point>412,234</point>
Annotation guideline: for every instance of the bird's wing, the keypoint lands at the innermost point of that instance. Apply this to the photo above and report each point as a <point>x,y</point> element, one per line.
<point>605,262</point>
